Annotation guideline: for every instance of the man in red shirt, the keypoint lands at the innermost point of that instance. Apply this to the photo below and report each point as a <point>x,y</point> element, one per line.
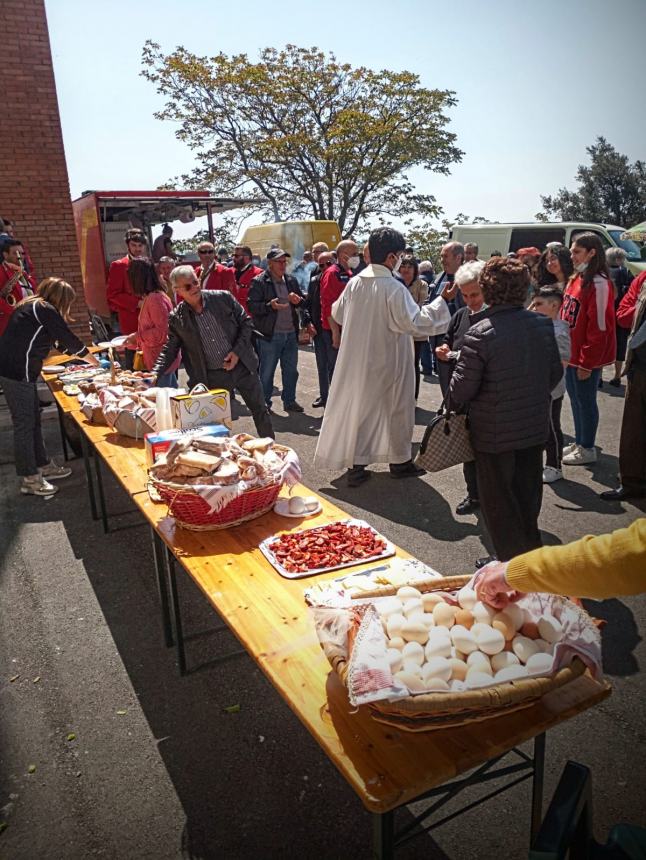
<point>15,283</point>
<point>333,281</point>
<point>244,272</point>
<point>121,299</point>
<point>211,274</point>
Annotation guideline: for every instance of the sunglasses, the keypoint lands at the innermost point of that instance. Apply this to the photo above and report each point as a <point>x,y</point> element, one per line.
<point>206,252</point>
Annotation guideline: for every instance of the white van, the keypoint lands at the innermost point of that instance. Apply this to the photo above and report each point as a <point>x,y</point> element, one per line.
<point>510,237</point>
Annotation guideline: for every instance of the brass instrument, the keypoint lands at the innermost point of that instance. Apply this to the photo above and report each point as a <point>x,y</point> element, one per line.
<point>6,292</point>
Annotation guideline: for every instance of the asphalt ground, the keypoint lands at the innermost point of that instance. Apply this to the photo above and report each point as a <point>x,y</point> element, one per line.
<point>105,751</point>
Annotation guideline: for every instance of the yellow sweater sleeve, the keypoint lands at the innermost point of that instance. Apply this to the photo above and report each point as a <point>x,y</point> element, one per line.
<point>599,567</point>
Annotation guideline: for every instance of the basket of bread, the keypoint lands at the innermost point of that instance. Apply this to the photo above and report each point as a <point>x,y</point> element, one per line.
<point>432,655</point>
<point>213,482</point>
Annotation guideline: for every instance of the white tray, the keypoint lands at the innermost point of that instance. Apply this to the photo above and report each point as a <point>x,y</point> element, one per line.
<point>282,509</point>
<point>388,551</point>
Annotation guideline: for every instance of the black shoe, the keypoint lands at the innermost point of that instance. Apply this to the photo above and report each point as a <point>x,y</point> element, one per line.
<point>621,493</point>
<point>480,562</point>
<point>405,470</point>
<point>275,392</point>
<point>467,505</point>
<point>269,409</point>
<point>319,403</point>
<point>294,407</point>
<point>616,383</point>
<point>357,475</point>
<point>600,382</point>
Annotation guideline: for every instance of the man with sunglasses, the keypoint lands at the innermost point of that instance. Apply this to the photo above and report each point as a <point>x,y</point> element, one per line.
<point>212,274</point>
<point>122,301</point>
<point>244,272</point>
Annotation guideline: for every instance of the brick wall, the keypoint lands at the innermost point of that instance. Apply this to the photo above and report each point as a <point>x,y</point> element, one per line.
<point>34,186</point>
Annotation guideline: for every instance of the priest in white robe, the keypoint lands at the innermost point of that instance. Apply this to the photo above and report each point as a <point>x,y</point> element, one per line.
<point>370,412</point>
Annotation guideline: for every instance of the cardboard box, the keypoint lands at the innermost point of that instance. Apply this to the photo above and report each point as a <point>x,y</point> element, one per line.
<point>156,444</point>
<point>194,410</point>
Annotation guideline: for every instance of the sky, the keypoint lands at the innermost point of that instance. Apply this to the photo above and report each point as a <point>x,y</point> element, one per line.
<point>536,83</point>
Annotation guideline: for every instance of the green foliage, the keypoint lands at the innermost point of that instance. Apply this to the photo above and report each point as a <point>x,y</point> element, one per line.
<point>611,190</point>
<point>427,240</point>
<point>304,135</point>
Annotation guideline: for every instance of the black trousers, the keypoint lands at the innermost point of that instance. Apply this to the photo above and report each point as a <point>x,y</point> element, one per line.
<point>554,444</point>
<point>471,479</point>
<point>248,384</point>
<point>330,352</point>
<point>632,443</point>
<point>418,344</point>
<point>511,491</point>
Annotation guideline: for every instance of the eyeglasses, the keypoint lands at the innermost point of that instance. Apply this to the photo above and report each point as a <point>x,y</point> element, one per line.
<point>205,252</point>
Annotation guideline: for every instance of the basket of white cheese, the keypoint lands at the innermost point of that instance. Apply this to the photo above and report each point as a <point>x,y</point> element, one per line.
<point>431,655</point>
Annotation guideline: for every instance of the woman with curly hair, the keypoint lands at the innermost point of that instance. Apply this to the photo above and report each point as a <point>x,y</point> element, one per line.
<point>588,308</point>
<point>508,365</point>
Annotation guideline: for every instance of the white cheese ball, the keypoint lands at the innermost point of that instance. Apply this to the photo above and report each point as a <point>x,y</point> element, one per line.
<point>412,667</point>
<point>413,651</point>
<point>297,505</point>
<point>411,605</point>
<point>413,630</point>
<point>550,629</point>
<point>477,679</point>
<point>457,686</point>
<point>511,673</point>
<point>476,659</point>
<point>523,648</point>
<point>482,613</point>
<point>389,606</point>
<point>437,646</point>
<point>458,669</point>
<point>430,599</point>
<point>436,667</point>
<point>412,681</point>
<point>396,642</point>
<point>467,597</point>
<point>444,614</point>
<point>539,664</point>
<point>437,685</point>
<point>407,591</point>
<point>503,660</point>
<point>490,641</point>
<point>394,657</point>
<point>426,618</point>
<point>543,646</point>
<point>516,614</point>
<point>463,639</point>
<point>394,624</point>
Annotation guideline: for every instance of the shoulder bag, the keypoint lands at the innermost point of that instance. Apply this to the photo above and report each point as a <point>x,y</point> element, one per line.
<point>446,441</point>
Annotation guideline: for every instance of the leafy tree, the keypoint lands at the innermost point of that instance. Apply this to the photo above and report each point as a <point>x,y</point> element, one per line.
<point>427,240</point>
<point>304,135</point>
<point>611,190</point>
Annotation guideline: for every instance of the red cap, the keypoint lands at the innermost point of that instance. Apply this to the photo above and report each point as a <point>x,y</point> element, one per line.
<point>528,252</point>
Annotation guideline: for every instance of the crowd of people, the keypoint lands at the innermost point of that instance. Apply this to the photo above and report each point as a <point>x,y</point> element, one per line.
<point>506,339</point>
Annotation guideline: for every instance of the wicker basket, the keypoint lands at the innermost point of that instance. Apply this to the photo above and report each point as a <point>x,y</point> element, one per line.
<point>438,710</point>
<point>191,511</point>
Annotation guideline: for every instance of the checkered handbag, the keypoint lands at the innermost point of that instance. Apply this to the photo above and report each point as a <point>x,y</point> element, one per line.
<point>446,441</point>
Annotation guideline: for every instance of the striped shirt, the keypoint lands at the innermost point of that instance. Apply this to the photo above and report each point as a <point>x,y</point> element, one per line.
<point>214,340</point>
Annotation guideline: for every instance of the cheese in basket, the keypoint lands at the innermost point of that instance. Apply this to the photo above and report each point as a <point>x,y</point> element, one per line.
<point>211,483</point>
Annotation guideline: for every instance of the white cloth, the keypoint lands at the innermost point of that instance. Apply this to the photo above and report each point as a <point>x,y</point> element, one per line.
<point>370,412</point>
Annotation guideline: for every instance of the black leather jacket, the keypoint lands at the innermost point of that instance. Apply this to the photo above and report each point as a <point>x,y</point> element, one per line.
<point>261,292</point>
<point>183,334</point>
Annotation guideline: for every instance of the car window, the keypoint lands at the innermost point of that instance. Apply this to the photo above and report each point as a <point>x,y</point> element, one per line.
<point>605,241</point>
<point>535,237</point>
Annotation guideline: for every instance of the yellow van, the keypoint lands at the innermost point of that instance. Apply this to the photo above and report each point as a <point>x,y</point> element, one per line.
<point>295,237</point>
<point>510,237</point>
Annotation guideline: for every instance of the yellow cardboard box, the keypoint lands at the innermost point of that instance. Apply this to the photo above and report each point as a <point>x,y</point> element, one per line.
<point>201,407</point>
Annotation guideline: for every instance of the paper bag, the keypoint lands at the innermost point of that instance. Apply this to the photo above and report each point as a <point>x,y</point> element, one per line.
<point>201,407</point>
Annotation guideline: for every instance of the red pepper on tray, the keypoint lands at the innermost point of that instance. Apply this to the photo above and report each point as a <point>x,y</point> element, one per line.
<point>326,547</point>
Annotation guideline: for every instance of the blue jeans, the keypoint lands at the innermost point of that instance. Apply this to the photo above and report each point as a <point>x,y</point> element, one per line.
<point>426,358</point>
<point>283,348</point>
<point>167,380</point>
<point>583,399</point>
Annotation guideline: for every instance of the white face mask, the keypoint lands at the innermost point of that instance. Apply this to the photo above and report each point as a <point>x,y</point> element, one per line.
<point>353,262</point>
<point>395,268</point>
<point>581,268</point>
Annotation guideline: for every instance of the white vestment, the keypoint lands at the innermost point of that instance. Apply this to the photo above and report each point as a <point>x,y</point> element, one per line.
<point>370,411</point>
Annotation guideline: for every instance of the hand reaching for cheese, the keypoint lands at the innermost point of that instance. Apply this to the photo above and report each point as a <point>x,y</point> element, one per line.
<point>492,587</point>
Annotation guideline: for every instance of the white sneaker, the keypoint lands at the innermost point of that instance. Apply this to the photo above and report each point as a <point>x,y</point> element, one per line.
<point>580,457</point>
<point>36,485</point>
<point>55,472</point>
<point>569,448</point>
<point>551,474</point>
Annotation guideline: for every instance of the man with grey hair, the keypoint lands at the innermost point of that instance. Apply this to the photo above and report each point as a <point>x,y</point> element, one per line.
<point>470,252</point>
<point>214,335</point>
<point>467,279</point>
<point>452,257</point>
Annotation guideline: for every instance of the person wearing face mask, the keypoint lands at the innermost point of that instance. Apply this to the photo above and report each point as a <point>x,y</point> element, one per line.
<point>333,282</point>
<point>588,308</point>
<point>370,411</point>
<point>123,303</point>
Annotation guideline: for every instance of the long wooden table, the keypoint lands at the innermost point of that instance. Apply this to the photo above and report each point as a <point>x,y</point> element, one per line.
<point>386,767</point>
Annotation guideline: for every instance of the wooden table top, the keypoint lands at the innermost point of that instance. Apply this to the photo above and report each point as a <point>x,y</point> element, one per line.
<point>386,767</point>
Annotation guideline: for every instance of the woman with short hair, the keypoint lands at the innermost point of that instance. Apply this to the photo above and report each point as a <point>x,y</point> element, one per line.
<point>37,323</point>
<point>418,288</point>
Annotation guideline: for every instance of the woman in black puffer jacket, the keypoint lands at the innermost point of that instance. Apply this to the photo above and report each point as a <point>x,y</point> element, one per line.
<point>508,365</point>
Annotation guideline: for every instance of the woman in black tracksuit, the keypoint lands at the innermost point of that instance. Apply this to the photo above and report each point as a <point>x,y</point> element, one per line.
<point>35,326</point>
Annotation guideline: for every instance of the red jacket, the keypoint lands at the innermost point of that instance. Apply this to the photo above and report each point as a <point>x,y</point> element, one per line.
<point>7,307</point>
<point>219,278</point>
<point>590,313</point>
<point>333,282</point>
<point>626,309</point>
<point>243,282</point>
<point>120,297</point>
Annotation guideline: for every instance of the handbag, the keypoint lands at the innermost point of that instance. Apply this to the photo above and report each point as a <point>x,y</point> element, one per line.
<point>304,337</point>
<point>138,361</point>
<point>446,440</point>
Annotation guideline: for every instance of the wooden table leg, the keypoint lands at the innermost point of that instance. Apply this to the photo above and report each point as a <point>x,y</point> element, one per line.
<point>162,587</point>
<point>88,475</point>
<point>61,425</point>
<point>99,482</point>
<point>383,835</point>
<point>537,785</point>
<point>177,615</point>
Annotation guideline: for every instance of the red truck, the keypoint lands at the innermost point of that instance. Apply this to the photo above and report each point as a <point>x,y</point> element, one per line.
<point>102,218</point>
